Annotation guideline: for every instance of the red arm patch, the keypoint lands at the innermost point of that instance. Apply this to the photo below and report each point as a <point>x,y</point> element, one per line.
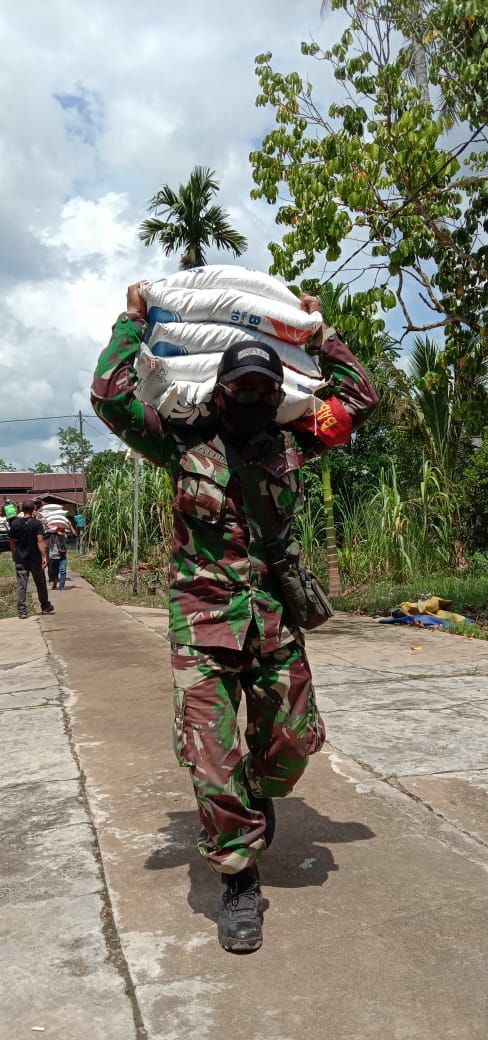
<point>331,424</point>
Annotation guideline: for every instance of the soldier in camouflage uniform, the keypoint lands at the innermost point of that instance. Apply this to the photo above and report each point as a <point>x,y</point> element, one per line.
<point>229,630</point>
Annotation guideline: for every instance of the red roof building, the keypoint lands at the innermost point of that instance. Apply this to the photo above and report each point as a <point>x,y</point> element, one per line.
<point>68,489</point>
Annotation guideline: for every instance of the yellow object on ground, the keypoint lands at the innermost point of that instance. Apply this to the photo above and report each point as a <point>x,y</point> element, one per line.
<point>432,605</point>
<point>436,606</point>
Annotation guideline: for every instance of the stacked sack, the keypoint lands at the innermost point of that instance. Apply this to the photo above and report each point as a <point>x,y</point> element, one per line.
<point>53,516</point>
<point>193,316</point>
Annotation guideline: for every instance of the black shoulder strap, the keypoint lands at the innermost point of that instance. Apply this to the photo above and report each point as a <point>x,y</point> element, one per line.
<point>255,500</point>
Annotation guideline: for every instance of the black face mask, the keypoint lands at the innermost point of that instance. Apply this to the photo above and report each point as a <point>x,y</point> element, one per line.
<point>249,418</point>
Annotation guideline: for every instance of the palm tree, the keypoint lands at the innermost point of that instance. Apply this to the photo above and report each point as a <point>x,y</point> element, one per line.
<point>186,220</point>
<point>435,406</point>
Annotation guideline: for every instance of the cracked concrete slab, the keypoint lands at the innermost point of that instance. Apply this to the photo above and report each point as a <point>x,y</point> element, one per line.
<point>47,843</point>
<point>15,633</point>
<point>34,746</point>
<point>391,693</point>
<point>34,675</point>
<point>58,970</point>
<point>29,699</point>
<point>396,743</point>
<point>460,797</point>
<point>54,973</point>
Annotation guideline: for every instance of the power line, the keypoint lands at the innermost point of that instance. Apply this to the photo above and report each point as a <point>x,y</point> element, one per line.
<point>49,418</point>
<point>40,418</point>
<point>108,437</point>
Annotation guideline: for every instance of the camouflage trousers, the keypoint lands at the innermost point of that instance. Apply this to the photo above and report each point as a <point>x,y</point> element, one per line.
<point>283,729</point>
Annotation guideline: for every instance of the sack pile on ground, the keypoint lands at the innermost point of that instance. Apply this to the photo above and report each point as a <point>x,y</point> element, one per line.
<point>51,516</point>
<point>193,316</point>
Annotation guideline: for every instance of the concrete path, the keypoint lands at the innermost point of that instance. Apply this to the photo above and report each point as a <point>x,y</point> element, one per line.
<point>377,881</point>
<point>62,971</point>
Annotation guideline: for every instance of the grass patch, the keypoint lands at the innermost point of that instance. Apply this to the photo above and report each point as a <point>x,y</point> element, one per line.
<point>115,583</point>
<point>468,591</point>
<point>472,631</point>
<point>8,587</point>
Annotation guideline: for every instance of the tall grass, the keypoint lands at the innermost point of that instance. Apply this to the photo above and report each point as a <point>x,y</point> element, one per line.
<point>390,535</point>
<point>384,536</point>
<point>310,529</point>
<point>111,517</point>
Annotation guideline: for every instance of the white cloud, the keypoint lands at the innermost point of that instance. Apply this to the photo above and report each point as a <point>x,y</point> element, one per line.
<point>89,227</point>
<point>102,107</point>
<point>49,448</point>
<point>22,397</point>
<point>98,255</point>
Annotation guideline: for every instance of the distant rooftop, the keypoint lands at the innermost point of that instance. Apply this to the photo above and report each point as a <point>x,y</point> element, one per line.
<point>66,486</point>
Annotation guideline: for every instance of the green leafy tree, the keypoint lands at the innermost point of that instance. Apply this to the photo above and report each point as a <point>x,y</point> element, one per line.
<point>416,49</point>
<point>373,182</point>
<point>474,497</point>
<point>413,17</point>
<point>72,449</point>
<point>6,467</point>
<point>186,220</point>
<point>102,464</point>
<point>41,467</point>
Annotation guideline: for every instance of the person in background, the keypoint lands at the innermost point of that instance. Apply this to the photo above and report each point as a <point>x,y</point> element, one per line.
<point>79,520</point>
<point>9,509</point>
<point>28,547</point>
<point>57,557</point>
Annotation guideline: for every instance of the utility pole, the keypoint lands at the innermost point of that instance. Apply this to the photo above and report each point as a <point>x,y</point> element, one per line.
<point>82,452</point>
<point>135,543</point>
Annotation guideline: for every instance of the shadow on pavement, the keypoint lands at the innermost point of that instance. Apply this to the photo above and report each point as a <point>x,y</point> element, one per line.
<point>298,858</point>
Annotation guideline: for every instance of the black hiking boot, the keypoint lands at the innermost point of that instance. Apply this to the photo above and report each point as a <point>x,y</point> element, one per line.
<point>240,921</point>
<point>48,610</point>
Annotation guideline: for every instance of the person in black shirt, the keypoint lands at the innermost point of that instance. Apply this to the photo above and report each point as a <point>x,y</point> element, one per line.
<point>28,547</point>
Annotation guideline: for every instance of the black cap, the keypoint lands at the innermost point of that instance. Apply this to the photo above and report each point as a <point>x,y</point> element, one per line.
<point>246,357</point>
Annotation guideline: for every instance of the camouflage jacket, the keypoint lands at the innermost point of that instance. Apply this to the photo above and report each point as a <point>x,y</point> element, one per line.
<point>220,579</point>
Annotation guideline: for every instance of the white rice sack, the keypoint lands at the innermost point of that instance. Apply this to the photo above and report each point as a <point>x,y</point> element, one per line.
<point>173,339</point>
<point>228,276</point>
<point>52,516</point>
<point>194,316</point>
<point>58,518</point>
<point>286,321</point>
<point>169,384</point>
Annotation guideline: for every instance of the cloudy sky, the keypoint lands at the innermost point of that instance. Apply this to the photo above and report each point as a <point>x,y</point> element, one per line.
<point>102,104</point>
